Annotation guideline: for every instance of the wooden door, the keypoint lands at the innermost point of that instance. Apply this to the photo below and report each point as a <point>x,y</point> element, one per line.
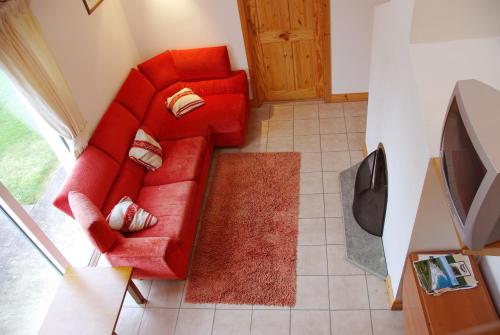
<point>286,41</point>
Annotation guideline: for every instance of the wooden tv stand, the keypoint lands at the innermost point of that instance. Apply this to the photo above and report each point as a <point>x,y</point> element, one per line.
<point>450,312</point>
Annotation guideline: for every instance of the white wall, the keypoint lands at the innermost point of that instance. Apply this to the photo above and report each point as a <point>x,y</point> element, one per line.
<point>446,20</point>
<point>351,33</point>
<point>95,52</point>
<point>158,25</point>
<point>438,66</point>
<point>393,119</point>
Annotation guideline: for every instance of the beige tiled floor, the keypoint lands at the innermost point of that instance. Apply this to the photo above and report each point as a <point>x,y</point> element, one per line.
<point>333,296</point>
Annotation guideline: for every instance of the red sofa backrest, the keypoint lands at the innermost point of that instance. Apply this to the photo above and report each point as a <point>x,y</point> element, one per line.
<point>202,63</point>
<point>160,70</point>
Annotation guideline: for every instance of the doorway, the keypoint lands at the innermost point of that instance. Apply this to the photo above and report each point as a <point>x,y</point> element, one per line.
<point>288,48</point>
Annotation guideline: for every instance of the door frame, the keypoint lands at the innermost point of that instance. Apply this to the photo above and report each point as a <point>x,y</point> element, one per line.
<point>249,40</point>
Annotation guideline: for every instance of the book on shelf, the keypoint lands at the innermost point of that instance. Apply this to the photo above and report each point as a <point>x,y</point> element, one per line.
<point>439,273</point>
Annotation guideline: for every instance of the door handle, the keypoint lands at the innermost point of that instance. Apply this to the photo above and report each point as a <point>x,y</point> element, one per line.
<point>285,35</point>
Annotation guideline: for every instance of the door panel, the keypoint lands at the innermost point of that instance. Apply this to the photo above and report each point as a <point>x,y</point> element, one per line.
<point>287,46</point>
<point>275,55</point>
<point>272,15</point>
<point>301,14</point>
<point>304,64</point>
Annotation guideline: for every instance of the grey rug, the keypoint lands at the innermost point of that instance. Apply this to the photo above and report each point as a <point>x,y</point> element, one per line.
<point>363,249</point>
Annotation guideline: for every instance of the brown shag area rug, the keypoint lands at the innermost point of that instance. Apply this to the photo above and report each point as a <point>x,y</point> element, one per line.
<point>246,251</point>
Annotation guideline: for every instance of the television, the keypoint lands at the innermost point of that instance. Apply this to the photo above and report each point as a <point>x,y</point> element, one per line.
<point>470,157</point>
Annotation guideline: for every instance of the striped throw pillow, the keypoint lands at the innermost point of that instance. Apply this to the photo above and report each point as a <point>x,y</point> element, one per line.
<point>184,102</point>
<point>146,151</point>
<point>127,216</point>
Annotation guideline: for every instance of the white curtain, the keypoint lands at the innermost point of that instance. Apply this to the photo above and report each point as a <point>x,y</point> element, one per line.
<point>28,61</point>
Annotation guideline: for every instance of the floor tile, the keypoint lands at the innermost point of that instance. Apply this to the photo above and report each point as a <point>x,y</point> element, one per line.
<point>351,322</point>
<point>310,161</point>
<point>356,157</point>
<point>335,160</point>
<point>280,128</point>
<point>257,144</point>
<point>356,141</point>
<point>280,144</point>
<point>356,124</point>
<point>257,127</point>
<point>308,143</point>
<point>261,113</point>
<point>331,182</point>
<point>281,112</point>
<point>377,293</point>
<point>269,322</point>
<point>195,322</point>
<point>348,292</point>
<point>165,293</point>
<point>311,206</point>
<point>312,232</point>
<point>310,322</point>
<point>129,321</point>
<point>331,110</point>
<point>233,306</point>
<point>311,183</point>
<point>271,307</point>
<point>232,322</point>
<point>387,322</point>
<point>311,260</point>
<point>338,264</point>
<point>308,102</point>
<point>332,125</point>
<point>144,287</point>
<point>333,205</point>
<point>355,108</point>
<point>158,321</point>
<point>312,293</point>
<point>305,112</point>
<point>335,233</point>
<point>306,127</point>
<point>334,142</point>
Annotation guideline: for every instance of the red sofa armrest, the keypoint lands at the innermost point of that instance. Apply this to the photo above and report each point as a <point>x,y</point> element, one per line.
<point>146,254</point>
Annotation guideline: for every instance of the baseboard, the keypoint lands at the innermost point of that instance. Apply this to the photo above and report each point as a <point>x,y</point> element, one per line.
<point>348,97</point>
<point>395,305</point>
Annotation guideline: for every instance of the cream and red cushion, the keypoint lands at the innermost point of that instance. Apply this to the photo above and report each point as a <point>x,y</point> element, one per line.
<point>146,151</point>
<point>183,102</point>
<point>127,216</point>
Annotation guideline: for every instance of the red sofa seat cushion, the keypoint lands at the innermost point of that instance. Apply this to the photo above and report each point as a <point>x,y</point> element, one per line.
<point>115,132</point>
<point>202,63</point>
<point>160,70</point>
<point>92,221</point>
<point>224,114</point>
<point>136,94</point>
<point>93,176</point>
<point>172,204</point>
<point>182,161</point>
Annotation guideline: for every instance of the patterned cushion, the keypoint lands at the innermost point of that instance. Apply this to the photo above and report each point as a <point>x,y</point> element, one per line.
<point>146,151</point>
<point>127,216</point>
<point>184,102</point>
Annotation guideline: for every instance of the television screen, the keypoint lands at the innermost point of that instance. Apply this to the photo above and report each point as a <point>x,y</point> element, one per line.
<point>463,168</point>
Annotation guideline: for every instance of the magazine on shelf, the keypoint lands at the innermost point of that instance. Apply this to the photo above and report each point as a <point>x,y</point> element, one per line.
<point>440,273</point>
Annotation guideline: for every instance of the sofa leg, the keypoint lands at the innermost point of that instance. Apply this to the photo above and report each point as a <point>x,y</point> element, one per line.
<point>135,293</point>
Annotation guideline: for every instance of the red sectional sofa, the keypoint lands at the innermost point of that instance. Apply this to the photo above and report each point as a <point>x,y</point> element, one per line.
<point>174,192</point>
